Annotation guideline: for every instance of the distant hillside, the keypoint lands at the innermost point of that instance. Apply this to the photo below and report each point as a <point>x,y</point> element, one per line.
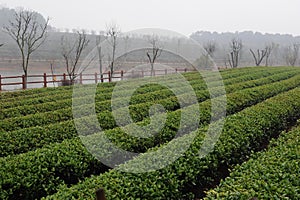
<point>253,40</point>
<point>7,14</point>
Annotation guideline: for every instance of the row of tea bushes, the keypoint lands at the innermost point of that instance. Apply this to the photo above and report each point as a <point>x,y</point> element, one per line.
<point>40,172</point>
<point>243,133</point>
<point>63,100</point>
<point>29,97</point>
<point>235,103</point>
<point>66,162</point>
<point>55,164</point>
<point>272,174</point>
<point>39,119</point>
<point>27,139</point>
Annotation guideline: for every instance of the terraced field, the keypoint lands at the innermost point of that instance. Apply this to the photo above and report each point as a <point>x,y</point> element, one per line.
<point>42,155</point>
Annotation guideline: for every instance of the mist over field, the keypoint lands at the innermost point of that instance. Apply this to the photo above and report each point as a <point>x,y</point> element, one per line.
<point>51,49</point>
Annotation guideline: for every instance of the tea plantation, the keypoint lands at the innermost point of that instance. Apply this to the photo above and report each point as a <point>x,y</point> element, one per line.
<point>43,157</point>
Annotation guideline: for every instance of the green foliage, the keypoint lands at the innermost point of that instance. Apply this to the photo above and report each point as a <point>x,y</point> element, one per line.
<point>37,173</point>
<point>272,174</point>
<point>23,140</point>
<point>19,98</point>
<point>236,102</point>
<point>242,134</point>
<point>55,166</point>
<point>43,118</point>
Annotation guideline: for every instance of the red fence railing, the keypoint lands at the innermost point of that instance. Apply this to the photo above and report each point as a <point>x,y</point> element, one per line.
<point>45,80</point>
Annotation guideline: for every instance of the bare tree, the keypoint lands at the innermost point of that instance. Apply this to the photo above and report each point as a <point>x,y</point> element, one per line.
<point>210,48</point>
<point>261,54</point>
<point>154,52</point>
<point>100,55</point>
<point>291,54</point>
<point>113,31</point>
<point>234,55</point>
<point>28,33</point>
<point>72,53</point>
<point>269,48</point>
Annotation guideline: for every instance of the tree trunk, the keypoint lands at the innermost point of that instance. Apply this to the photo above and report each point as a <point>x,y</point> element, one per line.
<point>152,68</point>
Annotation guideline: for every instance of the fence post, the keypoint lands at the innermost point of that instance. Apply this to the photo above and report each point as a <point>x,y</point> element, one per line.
<point>176,70</point>
<point>64,77</point>
<point>109,76</point>
<point>185,69</point>
<point>80,78</point>
<point>96,77</point>
<point>100,194</point>
<point>101,77</point>
<point>45,80</point>
<point>122,74</point>
<point>166,71</point>
<point>143,73</point>
<point>0,83</point>
<point>23,82</point>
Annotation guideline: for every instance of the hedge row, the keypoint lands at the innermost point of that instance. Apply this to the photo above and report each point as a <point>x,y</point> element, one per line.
<point>65,103</point>
<point>45,118</point>
<point>11,95</point>
<point>242,134</point>
<point>39,119</point>
<point>38,173</point>
<point>261,81</point>
<point>57,95</point>
<point>199,88</point>
<point>42,171</point>
<point>256,75</point>
<point>140,111</point>
<point>35,93</point>
<point>150,91</point>
<point>273,174</point>
<point>235,102</point>
<point>54,94</point>
<point>196,85</point>
<point>27,139</point>
<point>41,92</point>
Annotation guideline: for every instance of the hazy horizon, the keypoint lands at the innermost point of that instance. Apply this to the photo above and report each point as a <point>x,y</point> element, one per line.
<point>186,17</point>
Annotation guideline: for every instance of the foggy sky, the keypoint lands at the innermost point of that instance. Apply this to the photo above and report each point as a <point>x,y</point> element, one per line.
<point>183,16</point>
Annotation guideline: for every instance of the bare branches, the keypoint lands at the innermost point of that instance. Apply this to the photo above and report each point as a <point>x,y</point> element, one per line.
<point>205,59</point>
<point>210,48</point>
<point>113,31</point>
<point>72,53</point>
<point>154,52</point>
<point>234,55</point>
<point>28,33</point>
<point>260,55</point>
<point>269,48</point>
<point>291,54</point>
